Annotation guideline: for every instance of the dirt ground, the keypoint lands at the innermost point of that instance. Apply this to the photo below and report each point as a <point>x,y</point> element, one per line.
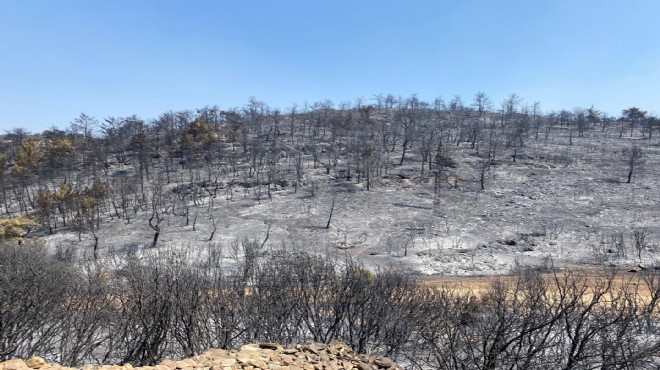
<point>592,277</point>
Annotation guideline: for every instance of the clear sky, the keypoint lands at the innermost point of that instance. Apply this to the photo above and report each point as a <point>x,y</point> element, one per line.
<point>59,58</point>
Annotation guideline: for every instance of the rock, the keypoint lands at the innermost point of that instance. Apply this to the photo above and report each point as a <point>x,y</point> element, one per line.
<point>109,367</point>
<point>35,362</point>
<point>260,365</point>
<point>273,346</point>
<point>263,356</point>
<point>383,362</point>
<point>509,242</point>
<point>227,362</point>
<point>216,352</point>
<point>314,348</point>
<point>362,366</point>
<point>243,360</point>
<point>187,363</point>
<point>285,359</point>
<point>168,363</point>
<point>250,347</point>
<point>14,364</point>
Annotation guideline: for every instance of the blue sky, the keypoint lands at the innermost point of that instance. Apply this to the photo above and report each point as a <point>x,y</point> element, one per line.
<point>60,58</point>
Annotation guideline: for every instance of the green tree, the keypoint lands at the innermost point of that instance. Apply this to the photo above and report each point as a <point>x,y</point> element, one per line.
<point>593,116</point>
<point>46,205</point>
<point>60,153</point>
<point>29,157</point>
<point>633,115</point>
<point>27,166</point>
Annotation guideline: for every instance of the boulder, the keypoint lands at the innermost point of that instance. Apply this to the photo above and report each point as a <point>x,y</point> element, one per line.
<point>35,362</point>
<point>15,364</point>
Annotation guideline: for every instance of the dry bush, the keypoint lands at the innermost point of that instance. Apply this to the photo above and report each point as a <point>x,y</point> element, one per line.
<point>32,288</point>
<point>142,310</point>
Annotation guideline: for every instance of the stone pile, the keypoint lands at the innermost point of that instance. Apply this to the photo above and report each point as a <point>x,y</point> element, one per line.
<point>264,356</point>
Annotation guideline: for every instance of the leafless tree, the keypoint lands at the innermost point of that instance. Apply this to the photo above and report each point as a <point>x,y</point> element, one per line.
<point>482,104</point>
<point>145,309</point>
<point>33,287</point>
<point>159,207</point>
<point>333,202</point>
<point>406,120</point>
<point>634,155</point>
<point>487,158</point>
<point>640,240</point>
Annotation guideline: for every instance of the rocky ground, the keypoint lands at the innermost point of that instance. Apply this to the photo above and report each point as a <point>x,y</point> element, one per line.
<point>266,356</point>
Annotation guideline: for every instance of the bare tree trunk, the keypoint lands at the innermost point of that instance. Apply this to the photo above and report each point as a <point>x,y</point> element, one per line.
<point>332,210</point>
<point>96,248</point>
<point>635,154</point>
<point>214,228</point>
<point>156,235</point>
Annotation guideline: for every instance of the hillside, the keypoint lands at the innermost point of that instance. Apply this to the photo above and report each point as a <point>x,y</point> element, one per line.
<point>430,189</point>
